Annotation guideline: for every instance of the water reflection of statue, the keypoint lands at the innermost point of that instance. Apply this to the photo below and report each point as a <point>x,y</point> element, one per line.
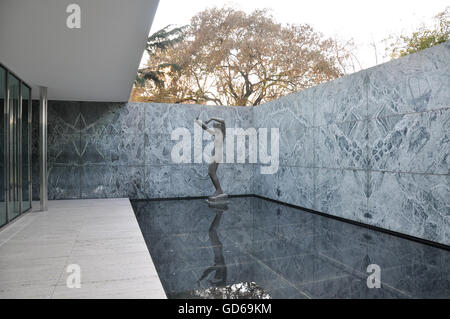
<point>218,131</point>
<point>219,267</point>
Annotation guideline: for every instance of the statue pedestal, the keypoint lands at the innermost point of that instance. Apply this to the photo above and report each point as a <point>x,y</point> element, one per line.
<point>218,197</point>
<point>219,200</point>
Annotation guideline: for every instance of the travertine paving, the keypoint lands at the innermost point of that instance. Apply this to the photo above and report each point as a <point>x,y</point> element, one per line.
<point>102,236</point>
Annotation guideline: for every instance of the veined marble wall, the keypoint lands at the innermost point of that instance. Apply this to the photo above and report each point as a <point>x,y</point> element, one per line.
<point>98,150</point>
<point>371,147</point>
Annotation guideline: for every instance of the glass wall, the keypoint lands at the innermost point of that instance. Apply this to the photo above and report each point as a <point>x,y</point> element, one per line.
<point>3,218</point>
<point>13,146</point>
<point>15,159</point>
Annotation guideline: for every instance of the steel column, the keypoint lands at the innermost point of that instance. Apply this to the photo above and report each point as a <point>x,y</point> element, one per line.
<point>43,148</point>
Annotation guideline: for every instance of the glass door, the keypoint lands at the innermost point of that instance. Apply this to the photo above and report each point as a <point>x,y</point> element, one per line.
<point>15,146</point>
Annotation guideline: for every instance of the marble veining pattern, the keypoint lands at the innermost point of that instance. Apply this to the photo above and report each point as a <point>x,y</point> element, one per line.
<point>102,149</point>
<point>415,83</point>
<point>415,204</point>
<point>371,146</point>
<point>341,100</point>
<point>380,141</point>
<point>341,145</point>
<point>418,142</point>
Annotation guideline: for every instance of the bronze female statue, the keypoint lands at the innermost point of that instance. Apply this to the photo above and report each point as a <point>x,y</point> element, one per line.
<point>218,131</point>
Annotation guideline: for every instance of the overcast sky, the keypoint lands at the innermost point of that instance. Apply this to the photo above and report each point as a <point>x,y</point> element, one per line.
<point>364,21</point>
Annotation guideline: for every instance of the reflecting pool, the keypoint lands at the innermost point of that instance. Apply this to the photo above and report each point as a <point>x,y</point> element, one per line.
<point>255,248</point>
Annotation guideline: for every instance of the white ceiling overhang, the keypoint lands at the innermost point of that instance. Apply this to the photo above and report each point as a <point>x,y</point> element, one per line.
<point>96,62</point>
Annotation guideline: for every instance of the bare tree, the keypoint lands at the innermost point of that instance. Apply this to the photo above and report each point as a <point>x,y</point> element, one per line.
<point>229,57</point>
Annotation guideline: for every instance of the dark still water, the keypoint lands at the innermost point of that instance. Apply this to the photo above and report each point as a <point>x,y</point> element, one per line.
<point>254,248</point>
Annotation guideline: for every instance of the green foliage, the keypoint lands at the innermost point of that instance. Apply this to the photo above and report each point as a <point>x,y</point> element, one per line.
<point>421,39</point>
<point>165,38</point>
<point>161,40</point>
